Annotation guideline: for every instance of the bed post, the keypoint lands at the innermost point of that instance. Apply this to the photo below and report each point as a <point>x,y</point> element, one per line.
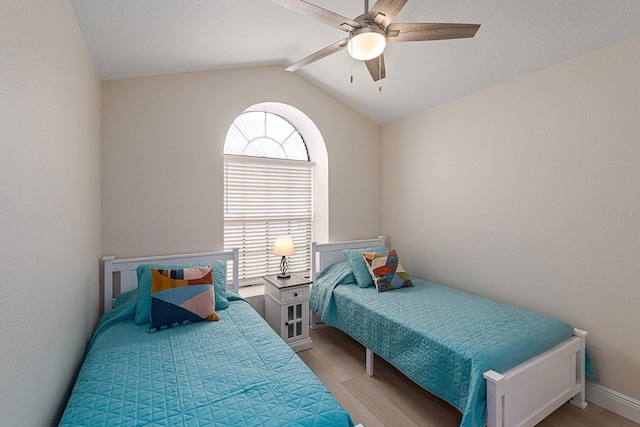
<point>579,399</point>
<point>495,402</point>
<point>313,261</point>
<point>313,314</point>
<point>108,283</point>
<point>236,267</point>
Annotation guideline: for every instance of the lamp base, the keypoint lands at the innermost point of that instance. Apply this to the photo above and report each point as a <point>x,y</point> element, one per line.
<point>284,268</point>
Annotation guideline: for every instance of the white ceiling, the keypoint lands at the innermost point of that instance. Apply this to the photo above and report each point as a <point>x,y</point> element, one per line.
<point>129,38</point>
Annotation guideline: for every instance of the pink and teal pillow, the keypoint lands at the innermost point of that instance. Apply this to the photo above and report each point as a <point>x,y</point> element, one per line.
<point>143,303</point>
<point>181,296</point>
<point>359,267</point>
<point>386,271</point>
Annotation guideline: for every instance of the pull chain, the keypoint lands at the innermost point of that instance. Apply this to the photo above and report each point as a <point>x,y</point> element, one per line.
<point>350,57</point>
<point>380,72</point>
<point>351,65</point>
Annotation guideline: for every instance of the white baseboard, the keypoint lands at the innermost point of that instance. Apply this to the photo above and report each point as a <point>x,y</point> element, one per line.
<point>622,405</point>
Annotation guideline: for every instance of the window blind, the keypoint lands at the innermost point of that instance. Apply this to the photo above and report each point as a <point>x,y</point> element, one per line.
<point>263,199</point>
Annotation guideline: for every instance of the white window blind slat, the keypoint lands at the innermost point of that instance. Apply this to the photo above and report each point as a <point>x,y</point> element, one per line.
<point>265,199</point>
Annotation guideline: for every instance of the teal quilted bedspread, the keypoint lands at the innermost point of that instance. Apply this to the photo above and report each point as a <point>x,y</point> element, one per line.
<point>234,372</point>
<point>441,338</point>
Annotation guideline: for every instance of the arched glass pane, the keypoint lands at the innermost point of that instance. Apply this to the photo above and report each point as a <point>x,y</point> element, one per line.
<point>264,147</point>
<point>261,134</point>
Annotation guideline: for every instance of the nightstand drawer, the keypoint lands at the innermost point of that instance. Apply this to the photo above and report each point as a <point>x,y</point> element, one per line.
<point>299,294</point>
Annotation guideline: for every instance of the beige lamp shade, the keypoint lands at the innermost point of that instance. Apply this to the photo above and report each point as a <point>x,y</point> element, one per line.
<point>284,246</point>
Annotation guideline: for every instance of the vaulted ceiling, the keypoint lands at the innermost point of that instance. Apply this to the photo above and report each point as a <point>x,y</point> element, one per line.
<point>130,38</point>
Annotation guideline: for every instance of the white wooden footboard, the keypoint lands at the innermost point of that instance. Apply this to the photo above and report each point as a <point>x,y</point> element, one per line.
<point>529,392</point>
<point>526,394</point>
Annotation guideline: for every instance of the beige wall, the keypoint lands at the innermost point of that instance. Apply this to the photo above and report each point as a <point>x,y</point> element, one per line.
<point>529,193</point>
<point>49,207</point>
<point>162,157</point>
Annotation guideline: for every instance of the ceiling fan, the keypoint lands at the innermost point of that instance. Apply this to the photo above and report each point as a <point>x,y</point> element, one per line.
<point>369,33</point>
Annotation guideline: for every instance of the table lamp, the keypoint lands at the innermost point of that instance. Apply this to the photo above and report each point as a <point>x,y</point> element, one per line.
<point>284,247</point>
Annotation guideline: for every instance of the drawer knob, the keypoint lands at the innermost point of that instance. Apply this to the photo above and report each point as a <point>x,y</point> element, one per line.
<point>295,294</point>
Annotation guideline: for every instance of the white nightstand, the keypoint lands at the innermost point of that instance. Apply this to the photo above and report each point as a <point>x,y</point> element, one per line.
<point>286,309</point>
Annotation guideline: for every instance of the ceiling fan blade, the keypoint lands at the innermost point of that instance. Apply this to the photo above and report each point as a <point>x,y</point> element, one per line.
<point>376,68</point>
<point>383,11</point>
<point>337,46</point>
<point>320,14</point>
<point>421,32</point>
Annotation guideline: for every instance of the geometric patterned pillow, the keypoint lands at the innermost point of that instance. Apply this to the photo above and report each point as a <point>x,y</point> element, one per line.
<point>386,270</point>
<point>181,296</point>
<point>143,301</point>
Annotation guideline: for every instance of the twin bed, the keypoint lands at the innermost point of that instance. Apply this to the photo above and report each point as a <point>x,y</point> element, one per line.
<point>495,363</point>
<point>232,372</point>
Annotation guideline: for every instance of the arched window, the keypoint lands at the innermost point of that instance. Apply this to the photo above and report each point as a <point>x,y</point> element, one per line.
<point>262,134</point>
<point>268,192</point>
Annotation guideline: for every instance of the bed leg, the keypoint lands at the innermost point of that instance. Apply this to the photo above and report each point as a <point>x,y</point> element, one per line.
<point>579,399</point>
<point>314,320</point>
<point>369,362</point>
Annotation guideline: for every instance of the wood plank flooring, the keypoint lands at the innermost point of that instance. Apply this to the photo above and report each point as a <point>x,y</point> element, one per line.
<point>391,399</point>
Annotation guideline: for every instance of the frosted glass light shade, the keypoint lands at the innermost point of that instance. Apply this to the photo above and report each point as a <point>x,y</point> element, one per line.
<point>367,43</point>
<point>284,246</point>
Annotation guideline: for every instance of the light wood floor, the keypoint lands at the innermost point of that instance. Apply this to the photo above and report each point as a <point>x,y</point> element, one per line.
<point>391,399</point>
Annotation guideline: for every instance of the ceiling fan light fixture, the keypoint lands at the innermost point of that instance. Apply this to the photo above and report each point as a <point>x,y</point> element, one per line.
<point>367,43</point>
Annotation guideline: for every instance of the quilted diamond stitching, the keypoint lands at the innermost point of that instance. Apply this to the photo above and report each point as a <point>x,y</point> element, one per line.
<point>442,338</point>
<point>233,372</point>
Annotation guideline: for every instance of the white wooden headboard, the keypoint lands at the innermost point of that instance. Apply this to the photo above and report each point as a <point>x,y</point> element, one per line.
<point>325,254</point>
<point>127,267</point>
